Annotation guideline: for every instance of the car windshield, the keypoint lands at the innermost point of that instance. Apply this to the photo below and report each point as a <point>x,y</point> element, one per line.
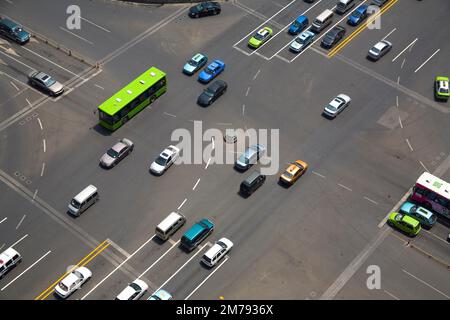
<point>209,92</point>
<point>135,287</point>
<point>443,90</point>
<point>243,159</point>
<point>287,174</point>
<point>48,81</point>
<point>156,297</point>
<point>357,14</point>
<point>206,258</point>
<point>161,161</point>
<point>112,153</point>
<point>75,204</point>
<point>258,37</point>
<point>331,107</point>
<point>296,24</point>
<point>223,245</point>
<point>210,70</point>
<point>17,29</point>
<point>301,41</point>
<point>398,217</point>
<point>375,50</point>
<point>192,62</point>
<point>63,286</point>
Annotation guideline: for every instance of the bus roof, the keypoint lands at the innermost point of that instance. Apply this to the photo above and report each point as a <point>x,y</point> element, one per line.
<point>435,184</point>
<point>131,91</point>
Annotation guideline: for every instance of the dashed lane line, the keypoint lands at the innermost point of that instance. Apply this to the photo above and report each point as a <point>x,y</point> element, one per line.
<point>181,205</point>
<point>345,187</point>
<point>423,166</point>
<point>44,144</point>
<point>370,200</point>
<point>20,222</point>
<point>425,283</point>
<point>169,114</point>
<point>18,241</point>
<point>157,260</point>
<point>40,123</point>
<point>195,186</point>
<point>257,74</point>
<point>318,174</point>
<point>420,67</point>
<point>409,144</point>
<point>100,87</point>
<point>407,47</point>
<point>4,219</point>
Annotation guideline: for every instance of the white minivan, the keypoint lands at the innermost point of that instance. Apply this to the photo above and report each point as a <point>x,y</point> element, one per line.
<point>83,200</point>
<point>170,225</point>
<point>8,260</point>
<point>322,21</point>
<point>343,6</point>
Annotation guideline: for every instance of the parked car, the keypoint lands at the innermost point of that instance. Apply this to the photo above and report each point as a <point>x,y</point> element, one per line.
<point>160,295</point>
<point>332,37</point>
<point>358,16</point>
<point>210,72</point>
<point>260,37</point>
<point>298,25</point>
<point>164,160</point>
<point>195,63</point>
<point>337,105</point>
<point>210,94</point>
<point>250,156</point>
<point>379,50</point>
<point>133,291</point>
<point>404,223</point>
<point>46,83</point>
<point>441,88</point>
<point>8,260</point>
<point>116,153</point>
<point>294,171</point>
<point>217,252</point>
<point>208,8</point>
<point>426,218</point>
<point>13,31</point>
<point>72,282</point>
<point>379,3</point>
<point>302,41</point>
<point>196,234</point>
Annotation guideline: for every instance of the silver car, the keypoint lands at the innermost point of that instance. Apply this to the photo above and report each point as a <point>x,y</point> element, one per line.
<point>46,83</point>
<point>164,160</point>
<point>337,105</point>
<point>379,50</point>
<point>116,153</point>
<point>250,157</point>
<point>302,41</point>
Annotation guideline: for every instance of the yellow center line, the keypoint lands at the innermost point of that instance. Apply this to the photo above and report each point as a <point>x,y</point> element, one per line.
<point>49,290</point>
<point>360,29</point>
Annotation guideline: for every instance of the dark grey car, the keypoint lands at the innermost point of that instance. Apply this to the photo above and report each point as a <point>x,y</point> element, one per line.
<point>210,94</point>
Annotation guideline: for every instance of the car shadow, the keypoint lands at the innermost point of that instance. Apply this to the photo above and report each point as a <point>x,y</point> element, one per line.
<point>101,130</point>
<point>284,185</point>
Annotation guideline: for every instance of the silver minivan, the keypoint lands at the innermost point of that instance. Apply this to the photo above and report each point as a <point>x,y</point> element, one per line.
<point>322,21</point>
<point>83,200</point>
<point>343,6</point>
<point>170,225</point>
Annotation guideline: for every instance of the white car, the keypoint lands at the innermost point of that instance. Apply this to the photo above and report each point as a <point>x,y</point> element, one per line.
<point>116,153</point>
<point>337,105</point>
<point>73,281</point>
<point>160,295</point>
<point>217,252</point>
<point>379,50</point>
<point>133,291</point>
<point>164,160</point>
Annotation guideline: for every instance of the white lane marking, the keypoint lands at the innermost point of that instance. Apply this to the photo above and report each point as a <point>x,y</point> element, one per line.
<point>288,26</point>
<point>1,247</point>
<point>248,90</point>
<point>18,61</point>
<point>171,241</point>
<point>207,164</point>
<point>425,283</point>
<point>265,22</point>
<point>99,86</point>
<point>421,163</point>
<point>370,200</point>
<point>20,222</point>
<point>243,109</point>
<point>176,272</point>
<point>4,219</point>
<point>256,75</point>
<point>40,123</point>
<point>260,55</point>
<point>407,47</point>
<point>118,267</point>
<point>400,121</point>
<point>14,85</point>
<point>86,40</point>
<point>9,1</point>
<point>29,103</point>
<point>347,188</point>
<point>184,201</point>
<point>434,235</point>
<point>45,147</point>
<point>195,186</point>
<point>403,63</point>
<point>409,144</point>
<point>209,276</point>
<point>36,262</point>
<point>154,263</point>
<point>100,27</point>
<point>398,80</point>
<point>389,34</point>
<point>283,59</point>
<point>54,63</point>
<point>242,51</point>
<point>35,193</point>
<point>169,114</point>
<point>387,292</point>
<point>427,60</point>
<point>42,170</point>
<point>17,242</point>
<point>318,174</point>
<point>118,248</point>
<point>350,270</point>
<point>396,100</point>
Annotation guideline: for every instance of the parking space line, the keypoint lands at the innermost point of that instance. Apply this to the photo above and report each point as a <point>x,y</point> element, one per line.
<point>434,235</point>
<point>157,260</point>
<point>427,60</point>
<point>425,283</point>
<point>64,29</point>
<point>4,219</point>
<point>15,87</point>
<point>242,51</point>
<point>234,45</point>
<point>179,269</point>
<point>20,222</point>
<point>318,174</point>
<point>18,61</point>
<point>18,241</point>
<point>29,103</point>
<point>36,262</point>
<point>209,276</point>
<point>390,294</point>
<point>184,201</point>
<point>370,200</point>
<point>401,52</point>
<point>384,38</point>
<point>347,188</point>
<point>195,186</point>
<point>409,144</point>
<point>207,164</point>
<point>43,168</point>
<point>100,27</point>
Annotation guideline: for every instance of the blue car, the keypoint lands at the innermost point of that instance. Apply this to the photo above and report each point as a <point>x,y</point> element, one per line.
<point>211,71</point>
<point>358,15</point>
<point>195,64</point>
<point>298,25</point>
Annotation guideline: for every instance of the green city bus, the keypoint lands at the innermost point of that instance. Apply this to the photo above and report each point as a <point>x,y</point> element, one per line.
<point>126,103</point>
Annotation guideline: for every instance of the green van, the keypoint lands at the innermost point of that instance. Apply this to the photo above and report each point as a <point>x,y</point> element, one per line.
<point>404,223</point>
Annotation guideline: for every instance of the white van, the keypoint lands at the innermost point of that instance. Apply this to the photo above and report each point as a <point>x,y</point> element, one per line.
<point>343,6</point>
<point>8,260</point>
<point>170,225</point>
<point>83,200</point>
<point>322,21</point>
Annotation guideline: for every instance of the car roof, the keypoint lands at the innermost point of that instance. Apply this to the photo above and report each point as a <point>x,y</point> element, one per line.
<point>198,57</point>
<point>197,228</point>
<point>41,75</point>
<point>118,146</point>
<point>305,34</point>
<point>126,293</point>
<point>9,23</point>
<point>410,220</point>
<point>169,220</point>
<point>167,152</point>
<point>252,177</point>
<point>86,192</point>
<point>301,18</point>
<point>217,84</point>
<point>361,8</point>
<point>293,168</point>
<point>6,255</point>
<point>407,206</point>
<point>263,32</point>
<point>70,279</point>
<point>380,45</point>
<point>163,294</point>
<point>213,250</point>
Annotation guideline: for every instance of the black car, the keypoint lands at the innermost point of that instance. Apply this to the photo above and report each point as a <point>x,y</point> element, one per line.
<point>204,9</point>
<point>251,183</point>
<point>332,37</point>
<point>210,94</point>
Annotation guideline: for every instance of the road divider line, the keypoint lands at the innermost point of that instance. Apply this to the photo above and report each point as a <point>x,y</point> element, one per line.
<point>360,28</point>
<point>209,276</point>
<point>159,259</point>
<point>425,283</point>
<point>44,294</point>
<point>401,52</point>
<point>36,262</point>
<point>4,219</point>
<point>18,241</point>
<point>43,168</point>
<point>427,60</point>
<point>409,145</point>
<point>40,124</point>
<point>20,222</point>
<point>118,267</point>
<point>195,186</point>
<point>184,201</point>
<point>384,38</point>
<point>318,174</point>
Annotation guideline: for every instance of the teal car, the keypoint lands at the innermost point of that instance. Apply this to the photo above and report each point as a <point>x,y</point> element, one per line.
<point>404,223</point>
<point>195,64</point>
<point>196,234</point>
<point>260,37</point>
<point>426,218</point>
<point>441,88</point>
